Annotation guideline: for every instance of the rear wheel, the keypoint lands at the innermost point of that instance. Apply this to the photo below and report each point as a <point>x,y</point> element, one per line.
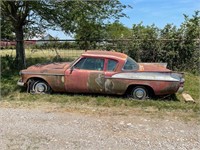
<point>139,92</point>
<point>39,87</point>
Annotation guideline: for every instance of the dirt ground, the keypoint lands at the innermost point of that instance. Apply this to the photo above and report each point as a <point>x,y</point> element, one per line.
<point>23,128</point>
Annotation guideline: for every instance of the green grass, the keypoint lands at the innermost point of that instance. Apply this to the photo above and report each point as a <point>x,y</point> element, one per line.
<point>11,92</point>
<point>192,85</point>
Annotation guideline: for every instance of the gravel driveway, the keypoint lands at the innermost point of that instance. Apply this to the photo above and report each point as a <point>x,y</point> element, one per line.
<point>23,129</point>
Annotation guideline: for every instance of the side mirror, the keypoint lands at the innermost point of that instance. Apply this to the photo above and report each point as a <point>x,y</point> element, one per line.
<point>71,69</point>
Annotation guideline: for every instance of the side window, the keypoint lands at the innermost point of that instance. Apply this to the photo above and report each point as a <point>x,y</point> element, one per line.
<point>130,64</point>
<point>111,65</point>
<point>90,64</point>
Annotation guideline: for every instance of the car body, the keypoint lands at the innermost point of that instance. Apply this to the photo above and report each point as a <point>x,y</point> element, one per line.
<point>104,72</point>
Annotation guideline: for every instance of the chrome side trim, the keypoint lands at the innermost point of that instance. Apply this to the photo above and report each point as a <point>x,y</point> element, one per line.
<point>146,76</point>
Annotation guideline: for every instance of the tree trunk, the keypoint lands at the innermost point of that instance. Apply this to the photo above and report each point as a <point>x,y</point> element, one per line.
<point>20,52</point>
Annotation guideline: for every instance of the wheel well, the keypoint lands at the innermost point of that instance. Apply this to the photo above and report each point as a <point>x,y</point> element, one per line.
<point>35,78</point>
<point>149,89</point>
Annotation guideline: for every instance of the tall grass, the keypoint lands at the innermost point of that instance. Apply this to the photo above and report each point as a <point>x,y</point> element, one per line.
<point>46,53</point>
<point>11,92</point>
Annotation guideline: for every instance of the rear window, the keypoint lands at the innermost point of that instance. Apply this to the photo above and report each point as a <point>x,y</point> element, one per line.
<point>130,65</point>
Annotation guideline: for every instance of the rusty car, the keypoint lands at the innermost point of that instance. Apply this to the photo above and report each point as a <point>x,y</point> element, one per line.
<point>103,72</point>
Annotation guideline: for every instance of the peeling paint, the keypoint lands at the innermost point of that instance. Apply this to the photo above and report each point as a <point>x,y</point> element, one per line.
<point>96,82</point>
<point>62,78</point>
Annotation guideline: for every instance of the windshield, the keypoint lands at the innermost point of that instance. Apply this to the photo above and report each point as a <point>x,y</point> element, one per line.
<point>73,62</point>
<point>130,65</point>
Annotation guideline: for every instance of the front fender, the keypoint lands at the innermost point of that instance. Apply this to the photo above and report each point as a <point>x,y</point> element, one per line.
<point>56,82</point>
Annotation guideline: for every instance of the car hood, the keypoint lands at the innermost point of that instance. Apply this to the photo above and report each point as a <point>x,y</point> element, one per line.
<point>153,67</point>
<point>47,68</point>
<point>61,65</point>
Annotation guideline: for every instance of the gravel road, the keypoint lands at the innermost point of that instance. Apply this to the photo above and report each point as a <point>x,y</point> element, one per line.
<point>22,129</point>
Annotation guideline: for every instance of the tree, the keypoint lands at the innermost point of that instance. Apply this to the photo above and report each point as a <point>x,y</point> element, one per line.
<point>17,12</point>
<point>189,50</point>
<point>66,15</point>
<point>90,33</point>
<point>144,42</point>
<point>118,31</point>
<point>178,46</point>
<point>169,45</point>
<point>7,32</point>
<point>120,35</point>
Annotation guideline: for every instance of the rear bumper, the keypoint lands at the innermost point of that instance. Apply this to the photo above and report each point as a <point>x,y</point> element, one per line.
<point>20,83</point>
<point>180,89</point>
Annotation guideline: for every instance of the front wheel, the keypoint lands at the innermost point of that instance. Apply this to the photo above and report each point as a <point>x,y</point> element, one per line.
<point>139,92</point>
<point>39,87</point>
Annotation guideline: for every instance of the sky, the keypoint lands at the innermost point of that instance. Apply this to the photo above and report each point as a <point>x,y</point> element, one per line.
<point>158,12</point>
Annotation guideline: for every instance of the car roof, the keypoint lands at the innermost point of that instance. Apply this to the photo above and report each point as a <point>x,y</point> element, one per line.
<point>105,54</point>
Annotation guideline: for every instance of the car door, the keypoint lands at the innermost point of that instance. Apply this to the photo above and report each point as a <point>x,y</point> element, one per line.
<point>110,84</point>
<point>86,76</point>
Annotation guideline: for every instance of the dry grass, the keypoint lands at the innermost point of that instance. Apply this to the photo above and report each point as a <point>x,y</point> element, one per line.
<point>11,93</point>
<point>46,53</point>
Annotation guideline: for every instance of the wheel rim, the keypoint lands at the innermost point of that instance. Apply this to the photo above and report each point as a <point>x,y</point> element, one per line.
<point>139,93</point>
<point>40,87</point>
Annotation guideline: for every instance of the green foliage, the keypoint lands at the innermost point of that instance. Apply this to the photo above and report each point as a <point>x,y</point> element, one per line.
<point>89,32</point>
<point>7,65</point>
<point>179,47</point>
<point>118,31</point>
<point>10,91</point>
<point>80,15</point>
<point>70,16</point>
<point>7,31</point>
<point>190,48</point>
<point>192,85</point>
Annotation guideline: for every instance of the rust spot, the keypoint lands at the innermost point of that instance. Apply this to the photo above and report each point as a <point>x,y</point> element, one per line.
<point>113,86</point>
<point>169,88</point>
<point>96,82</point>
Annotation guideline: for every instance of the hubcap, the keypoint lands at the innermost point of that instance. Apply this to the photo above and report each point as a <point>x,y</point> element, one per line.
<point>40,87</point>
<point>139,93</point>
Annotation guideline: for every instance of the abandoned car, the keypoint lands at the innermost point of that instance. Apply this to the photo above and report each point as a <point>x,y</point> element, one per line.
<point>104,72</point>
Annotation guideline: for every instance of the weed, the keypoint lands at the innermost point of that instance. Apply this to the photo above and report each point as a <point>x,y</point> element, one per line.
<point>11,92</point>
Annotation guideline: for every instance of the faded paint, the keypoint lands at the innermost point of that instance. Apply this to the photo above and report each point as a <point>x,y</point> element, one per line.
<point>163,88</point>
<point>105,54</point>
<point>115,86</point>
<point>153,67</point>
<point>158,64</point>
<point>76,80</point>
<point>62,77</point>
<point>96,82</point>
<point>61,65</point>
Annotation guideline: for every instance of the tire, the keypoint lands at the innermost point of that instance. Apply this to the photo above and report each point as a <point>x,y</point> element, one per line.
<point>39,87</point>
<point>139,92</point>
